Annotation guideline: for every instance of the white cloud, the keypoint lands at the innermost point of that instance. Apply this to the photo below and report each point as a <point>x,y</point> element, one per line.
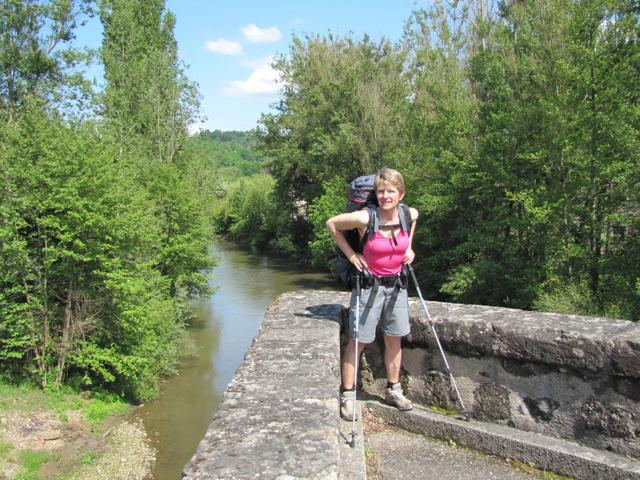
<point>224,47</point>
<point>255,63</point>
<point>255,34</point>
<point>264,80</point>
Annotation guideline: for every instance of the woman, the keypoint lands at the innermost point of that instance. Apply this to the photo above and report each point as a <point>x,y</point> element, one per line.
<point>383,257</point>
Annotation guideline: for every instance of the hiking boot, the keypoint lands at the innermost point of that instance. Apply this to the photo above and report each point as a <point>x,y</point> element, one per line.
<point>347,405</point>
<point>394,397</point>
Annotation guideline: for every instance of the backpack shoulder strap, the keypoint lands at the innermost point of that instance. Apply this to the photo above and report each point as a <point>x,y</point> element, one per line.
<point>405,217</point>
<point>374,219</point>
<point>372,227</point>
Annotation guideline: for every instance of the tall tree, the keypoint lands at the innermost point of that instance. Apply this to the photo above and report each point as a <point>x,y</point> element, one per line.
<point>148,104</point>
<point>515,179</point>
<point>340,115</point>
<point>148,101</point>
<point>441,121</point>
<point>80,294</point>
<point>103,239</point>
<point>34,49</point>
<point>602,150</point>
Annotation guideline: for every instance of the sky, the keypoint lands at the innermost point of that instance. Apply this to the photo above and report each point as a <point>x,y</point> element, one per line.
<point>227,46</point>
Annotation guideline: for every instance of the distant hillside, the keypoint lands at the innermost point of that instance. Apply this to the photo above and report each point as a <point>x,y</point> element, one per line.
<point>231,153</point>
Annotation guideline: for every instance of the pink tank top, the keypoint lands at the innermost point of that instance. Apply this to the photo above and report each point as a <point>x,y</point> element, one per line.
<point>383,256</point>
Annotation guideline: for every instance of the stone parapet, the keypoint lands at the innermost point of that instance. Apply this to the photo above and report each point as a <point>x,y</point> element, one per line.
<point>279,417</point>
<point>568,376</point>
<point>584,344</point>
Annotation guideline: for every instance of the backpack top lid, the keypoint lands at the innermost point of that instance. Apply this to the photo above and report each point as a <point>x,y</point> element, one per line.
<point>362,193</point>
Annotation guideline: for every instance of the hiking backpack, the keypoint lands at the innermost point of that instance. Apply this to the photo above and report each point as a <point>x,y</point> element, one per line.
<point>362,194</point>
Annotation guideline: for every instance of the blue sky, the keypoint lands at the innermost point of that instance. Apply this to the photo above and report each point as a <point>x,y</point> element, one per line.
<point>227,46</point>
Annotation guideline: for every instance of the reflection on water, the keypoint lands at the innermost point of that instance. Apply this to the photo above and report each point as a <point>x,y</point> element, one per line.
<point>225,324</point>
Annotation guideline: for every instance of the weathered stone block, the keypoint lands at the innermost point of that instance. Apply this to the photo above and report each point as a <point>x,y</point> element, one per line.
<point>491,402</point>
<point>279,417</point>
<point>611,420</point>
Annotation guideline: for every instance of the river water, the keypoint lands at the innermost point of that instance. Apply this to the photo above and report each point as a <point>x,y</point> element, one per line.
<point>225,324</point>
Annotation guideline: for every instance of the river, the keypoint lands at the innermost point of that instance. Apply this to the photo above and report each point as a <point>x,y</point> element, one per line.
<point>246,284</point>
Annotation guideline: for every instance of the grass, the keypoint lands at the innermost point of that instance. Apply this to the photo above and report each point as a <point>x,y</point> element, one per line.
<point>5,448</point>
<point>101,407</point>
<point>88,459</point>
<point>372,463</point>
<point>95,407</point>
<point>31,462</point>
<point>532,470</point>
<point>445,411</point>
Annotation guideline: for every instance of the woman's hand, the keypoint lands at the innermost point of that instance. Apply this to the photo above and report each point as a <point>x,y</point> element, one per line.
<point>408,257</point>
<point>359,262</point>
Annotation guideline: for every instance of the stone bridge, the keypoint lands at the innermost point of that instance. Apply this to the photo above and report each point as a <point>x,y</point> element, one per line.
<point>561,392</point>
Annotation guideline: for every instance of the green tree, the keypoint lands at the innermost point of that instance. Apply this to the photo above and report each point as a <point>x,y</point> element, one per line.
<point>322,246</point>
<point>441,126</point>
<point>340,114</point>
<point>147,101</point>
<point>515,78</point>
<point>35,58</point>
<point>231,154</point>
<point>247,215</point>
<point>534,196</point>
<point>516,128</point>
<point>601,150</point>
<point>81,296</point>
<point>148,106</point>
<point>104,236</point>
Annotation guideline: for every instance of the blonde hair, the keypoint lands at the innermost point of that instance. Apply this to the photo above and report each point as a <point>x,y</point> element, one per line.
<point>389,175</point>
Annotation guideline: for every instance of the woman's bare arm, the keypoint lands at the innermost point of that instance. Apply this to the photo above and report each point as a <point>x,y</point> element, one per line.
<point>347,221</point>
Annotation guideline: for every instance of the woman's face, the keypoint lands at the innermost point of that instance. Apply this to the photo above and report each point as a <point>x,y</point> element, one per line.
<point>388,196</point>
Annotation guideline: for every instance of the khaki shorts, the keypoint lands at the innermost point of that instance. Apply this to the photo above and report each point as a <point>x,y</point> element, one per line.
<point>395,323</point>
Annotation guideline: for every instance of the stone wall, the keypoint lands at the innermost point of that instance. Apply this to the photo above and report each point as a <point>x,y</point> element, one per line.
<point>567,376</point>
<point>279,417</point>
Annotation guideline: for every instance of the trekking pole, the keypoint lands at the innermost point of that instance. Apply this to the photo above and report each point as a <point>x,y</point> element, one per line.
<point>355,363</point>
<point>435,335</point>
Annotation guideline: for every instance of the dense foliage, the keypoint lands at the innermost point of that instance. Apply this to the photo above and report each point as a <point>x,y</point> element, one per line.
<point>239,189</point>
<point>104,230</point>
<point>233,154</point>
<point>517,127</point>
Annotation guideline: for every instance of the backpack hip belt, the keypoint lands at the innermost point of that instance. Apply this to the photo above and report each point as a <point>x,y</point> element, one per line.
<point>385,281</point>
